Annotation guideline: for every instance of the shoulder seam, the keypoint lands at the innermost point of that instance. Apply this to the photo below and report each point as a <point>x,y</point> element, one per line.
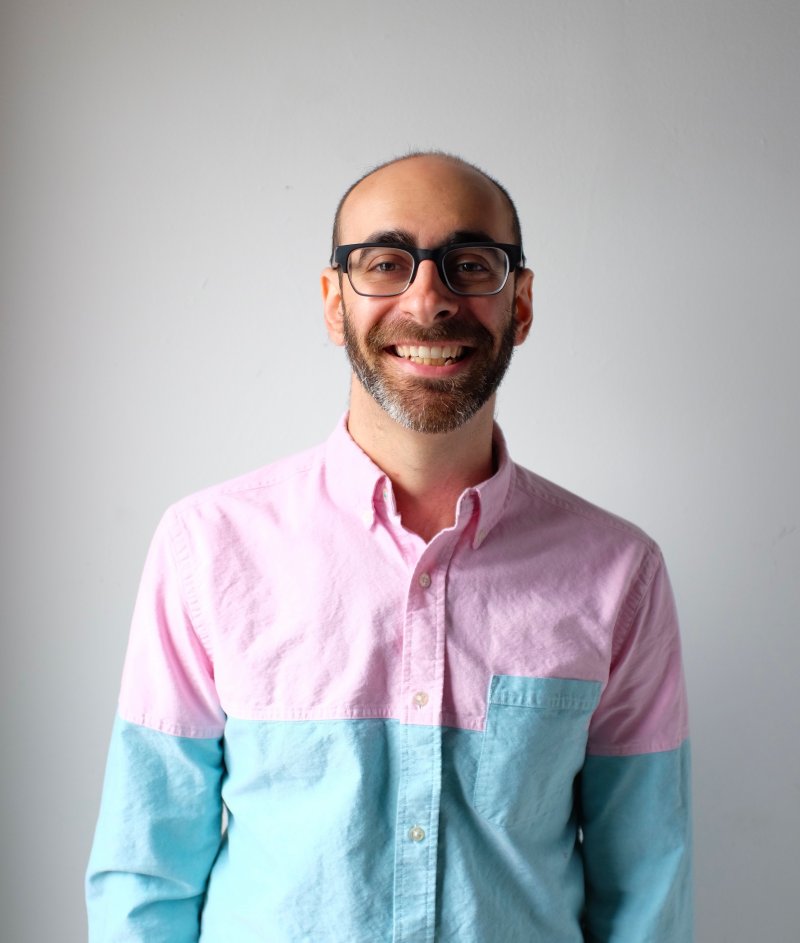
<point>237,486</point>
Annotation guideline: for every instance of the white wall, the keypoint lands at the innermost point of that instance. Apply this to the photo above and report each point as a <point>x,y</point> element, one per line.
<point>169,174</point>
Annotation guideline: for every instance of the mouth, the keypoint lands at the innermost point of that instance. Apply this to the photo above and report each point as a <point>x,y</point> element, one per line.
<point>435,355</point>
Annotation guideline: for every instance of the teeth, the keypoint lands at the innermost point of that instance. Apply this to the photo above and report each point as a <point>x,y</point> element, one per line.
<point>436,355</point>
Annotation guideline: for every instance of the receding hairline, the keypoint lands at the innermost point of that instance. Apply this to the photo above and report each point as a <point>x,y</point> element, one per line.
<point>443,155</point>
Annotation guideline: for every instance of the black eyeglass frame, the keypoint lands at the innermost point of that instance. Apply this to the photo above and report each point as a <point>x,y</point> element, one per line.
<point>514,254</point>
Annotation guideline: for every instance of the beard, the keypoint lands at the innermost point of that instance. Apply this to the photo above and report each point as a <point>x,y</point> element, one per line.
<point>425,404</point>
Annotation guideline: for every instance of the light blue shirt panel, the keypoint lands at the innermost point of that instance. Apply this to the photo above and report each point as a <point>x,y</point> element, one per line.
<point>157,835</point>
<point>637,839</point>
<point>317,815</point>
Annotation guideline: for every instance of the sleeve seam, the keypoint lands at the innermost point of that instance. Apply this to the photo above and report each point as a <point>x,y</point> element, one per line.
<point>640,747</point>
<point>631,606</point>
<point>188,731</point>
<point>180,559</point>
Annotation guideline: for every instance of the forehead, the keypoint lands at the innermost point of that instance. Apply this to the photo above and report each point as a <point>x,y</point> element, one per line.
<point>428,198</point>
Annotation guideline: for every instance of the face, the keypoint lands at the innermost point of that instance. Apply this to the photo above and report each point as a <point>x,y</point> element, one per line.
<point>431,359</point>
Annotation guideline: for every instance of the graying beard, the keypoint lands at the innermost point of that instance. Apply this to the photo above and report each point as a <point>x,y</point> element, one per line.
<point>419,420</point>
<point>467,404</point>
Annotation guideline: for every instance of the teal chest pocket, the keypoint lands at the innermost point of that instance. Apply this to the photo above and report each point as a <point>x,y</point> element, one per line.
<point>534,745</point>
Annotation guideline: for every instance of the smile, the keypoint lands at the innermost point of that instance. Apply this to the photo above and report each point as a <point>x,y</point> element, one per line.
<point>434,356</point>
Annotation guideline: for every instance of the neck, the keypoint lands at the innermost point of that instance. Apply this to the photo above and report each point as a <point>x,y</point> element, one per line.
<point>428,471</point>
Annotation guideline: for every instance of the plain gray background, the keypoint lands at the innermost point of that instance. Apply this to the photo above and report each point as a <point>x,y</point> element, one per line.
<point>169,173</point>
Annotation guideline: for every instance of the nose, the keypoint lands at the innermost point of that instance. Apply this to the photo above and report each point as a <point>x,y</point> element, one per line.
<point>427,298</point>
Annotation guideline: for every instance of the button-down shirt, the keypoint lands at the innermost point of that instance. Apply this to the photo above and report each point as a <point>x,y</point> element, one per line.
<point>331,731</point>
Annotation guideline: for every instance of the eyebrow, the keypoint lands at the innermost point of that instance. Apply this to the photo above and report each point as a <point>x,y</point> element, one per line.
<point>392,237</point>
<point>401,237</point>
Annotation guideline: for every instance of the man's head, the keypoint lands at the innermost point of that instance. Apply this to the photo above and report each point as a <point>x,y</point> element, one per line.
<point>516,228</point>
<point>429,201</point>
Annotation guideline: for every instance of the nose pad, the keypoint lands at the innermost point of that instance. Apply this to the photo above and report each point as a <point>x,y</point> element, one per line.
<point>428,298</point>
<point>430,273</point>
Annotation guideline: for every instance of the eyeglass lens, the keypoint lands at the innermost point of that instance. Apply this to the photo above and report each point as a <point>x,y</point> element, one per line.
<point>387,270</point>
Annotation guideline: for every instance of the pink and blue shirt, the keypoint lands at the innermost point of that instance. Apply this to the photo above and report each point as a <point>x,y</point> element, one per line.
<point>331,731</point>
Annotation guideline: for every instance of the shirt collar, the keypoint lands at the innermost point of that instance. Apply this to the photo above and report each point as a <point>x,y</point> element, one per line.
<point>492,494</point>
<point>355,482</point>
<point>352,478</point>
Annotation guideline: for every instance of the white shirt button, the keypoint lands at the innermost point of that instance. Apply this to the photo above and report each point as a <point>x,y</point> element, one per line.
<point>415,833</point>
<point>424,580</point>
<point>420,699</point>
<point>366,517</point>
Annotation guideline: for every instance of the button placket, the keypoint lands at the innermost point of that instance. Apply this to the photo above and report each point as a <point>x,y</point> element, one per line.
<point>424,651</point>
<point>416,850</point>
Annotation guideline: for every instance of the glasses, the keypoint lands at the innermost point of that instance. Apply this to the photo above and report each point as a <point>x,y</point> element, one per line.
<point>378,270</point>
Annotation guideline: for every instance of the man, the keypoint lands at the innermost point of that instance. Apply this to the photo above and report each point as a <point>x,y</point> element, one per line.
<point>439,697</point>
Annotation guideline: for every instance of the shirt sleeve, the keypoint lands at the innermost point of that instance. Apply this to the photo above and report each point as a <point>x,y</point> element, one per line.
<point>634,788</point>
<point>159,826</point>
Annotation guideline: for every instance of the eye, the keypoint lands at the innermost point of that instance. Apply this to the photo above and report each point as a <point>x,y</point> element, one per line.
<point>475,262</point>
<point>380,261</point>
<point>380,270</point>
<point>469,265</point>
<point>385,265</point>
<point>478,270</point>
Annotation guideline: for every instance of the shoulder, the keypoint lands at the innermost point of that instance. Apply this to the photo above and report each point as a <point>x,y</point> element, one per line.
<point>563,533</point>
<point>246,501</point>
<point>283,472</point>
<point>547,499</point>
<point>569,534</point>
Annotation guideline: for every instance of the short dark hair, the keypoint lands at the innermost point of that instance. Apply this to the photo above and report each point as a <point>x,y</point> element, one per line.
<point>454,158</point>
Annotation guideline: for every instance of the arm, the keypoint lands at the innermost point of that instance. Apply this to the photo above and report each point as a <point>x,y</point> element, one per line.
<point>159,826</point>
<point>634,788</point>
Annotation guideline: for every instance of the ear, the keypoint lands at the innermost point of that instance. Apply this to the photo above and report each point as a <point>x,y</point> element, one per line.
<point>523,305</point>
<point>332,305</point>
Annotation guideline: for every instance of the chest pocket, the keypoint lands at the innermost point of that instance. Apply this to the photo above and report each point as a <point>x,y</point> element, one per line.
<point>534,745</point>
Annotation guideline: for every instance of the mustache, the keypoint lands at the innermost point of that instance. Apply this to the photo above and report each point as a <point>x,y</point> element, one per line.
<point>406,329</point>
